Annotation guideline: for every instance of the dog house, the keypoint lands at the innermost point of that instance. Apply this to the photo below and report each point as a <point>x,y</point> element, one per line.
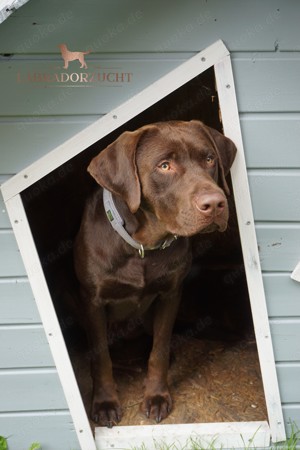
<point>201,88</point>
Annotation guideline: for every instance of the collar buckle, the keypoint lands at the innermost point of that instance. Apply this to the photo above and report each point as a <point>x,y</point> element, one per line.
<point>142,251</point>
<point>168,242</point>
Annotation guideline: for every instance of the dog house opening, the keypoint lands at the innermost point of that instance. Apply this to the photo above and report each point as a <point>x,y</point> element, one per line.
<point>214,373</point>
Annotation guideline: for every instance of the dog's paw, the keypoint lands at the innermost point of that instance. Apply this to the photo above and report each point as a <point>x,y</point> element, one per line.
<point>106,413</point>
<point>157,406</point>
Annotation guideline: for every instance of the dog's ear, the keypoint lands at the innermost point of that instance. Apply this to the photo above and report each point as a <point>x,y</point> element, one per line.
<point>115,168</point>
<point>225,149</point>
<point>226,152</point>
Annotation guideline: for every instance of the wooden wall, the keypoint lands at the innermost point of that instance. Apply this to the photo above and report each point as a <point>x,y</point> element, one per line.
<point>146,40</point>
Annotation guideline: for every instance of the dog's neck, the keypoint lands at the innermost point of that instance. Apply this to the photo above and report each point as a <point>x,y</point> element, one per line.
<point>142,230</point>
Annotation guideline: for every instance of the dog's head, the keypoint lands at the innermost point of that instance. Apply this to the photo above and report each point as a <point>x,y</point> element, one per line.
<point>176,170</point>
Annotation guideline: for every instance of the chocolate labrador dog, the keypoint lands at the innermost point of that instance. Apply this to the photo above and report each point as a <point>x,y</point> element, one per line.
<point>159,185</point>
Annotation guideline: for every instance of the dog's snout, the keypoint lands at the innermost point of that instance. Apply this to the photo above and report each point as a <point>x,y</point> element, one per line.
<point>211,204</point>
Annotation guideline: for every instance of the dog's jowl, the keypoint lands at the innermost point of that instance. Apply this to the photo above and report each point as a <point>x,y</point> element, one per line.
<point>156,187</point>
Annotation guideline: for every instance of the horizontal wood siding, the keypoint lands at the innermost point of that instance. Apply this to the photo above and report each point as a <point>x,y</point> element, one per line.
<point>27,96</point>
<point>279,246</point>
<point>31,390</point>
<point>24,346</point>
<point>288,377</point>
<point>35,117</point>
<point>11,263</point>
<point>261,83</point>
<point>27,139</point>
<point>286,337</point>
<point>17,302</point>
<point>282,295</point>
<point>31,98</point>
<point>142,26</point>
<point>39,128</point>
<point>54,429</point>
<point>275,194</point>
<point>291,413</point>
<point>271,140</point>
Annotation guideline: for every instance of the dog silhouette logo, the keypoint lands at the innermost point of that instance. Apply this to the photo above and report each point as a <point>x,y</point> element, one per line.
<point>68,56</point>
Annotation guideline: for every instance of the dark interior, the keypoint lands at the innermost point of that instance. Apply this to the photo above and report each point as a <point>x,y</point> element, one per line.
<point>215,303</point>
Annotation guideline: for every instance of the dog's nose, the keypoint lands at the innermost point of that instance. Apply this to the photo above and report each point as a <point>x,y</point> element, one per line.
<point>211,204</point>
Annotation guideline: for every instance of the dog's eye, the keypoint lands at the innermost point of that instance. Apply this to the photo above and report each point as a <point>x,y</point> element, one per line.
<point>165,166</point>
<point>210,160</point>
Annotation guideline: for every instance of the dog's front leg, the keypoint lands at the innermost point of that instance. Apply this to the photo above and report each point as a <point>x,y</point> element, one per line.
<point>106,408</point>
<point>157,402</point>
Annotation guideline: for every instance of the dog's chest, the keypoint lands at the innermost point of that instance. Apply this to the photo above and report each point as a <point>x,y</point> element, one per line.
<point>137,283</point>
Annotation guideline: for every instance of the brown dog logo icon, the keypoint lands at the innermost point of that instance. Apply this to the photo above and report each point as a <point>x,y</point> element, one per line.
<point>68,56</point>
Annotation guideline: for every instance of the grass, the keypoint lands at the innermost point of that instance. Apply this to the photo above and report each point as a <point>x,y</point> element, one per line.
<point>193,444</point>
<point>292,442</point>
<point>4,445</point>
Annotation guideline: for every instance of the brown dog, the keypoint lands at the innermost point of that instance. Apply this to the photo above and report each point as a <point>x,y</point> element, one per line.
<point>167,182</point>
<point>68,56</point>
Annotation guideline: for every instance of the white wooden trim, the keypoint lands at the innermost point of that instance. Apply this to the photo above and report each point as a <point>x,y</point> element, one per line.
<point>206,435</point>
<point>7,7</point>
<point>231,125</point>
<point>218,56</point>
<point>53,332</point>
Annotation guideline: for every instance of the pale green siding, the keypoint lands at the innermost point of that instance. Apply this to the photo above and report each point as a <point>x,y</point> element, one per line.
<point>146,39</point>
